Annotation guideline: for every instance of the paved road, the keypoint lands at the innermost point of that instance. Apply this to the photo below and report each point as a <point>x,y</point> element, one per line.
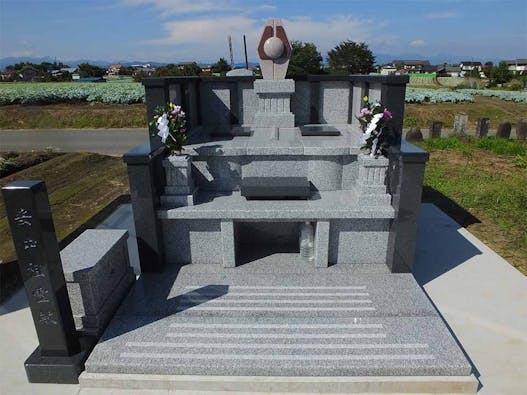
<point>103,141</point>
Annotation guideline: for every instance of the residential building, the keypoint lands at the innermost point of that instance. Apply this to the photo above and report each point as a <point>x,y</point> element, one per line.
<point>518,65</point>
<point>448,71</point>
<point>412,66</point>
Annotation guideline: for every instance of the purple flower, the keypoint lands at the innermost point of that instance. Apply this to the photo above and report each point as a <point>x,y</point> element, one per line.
<point>387,114</point>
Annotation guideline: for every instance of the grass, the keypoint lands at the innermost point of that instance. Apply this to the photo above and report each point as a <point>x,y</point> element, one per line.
<point>488,179</point>
<point>497,110</point>
<point>79,185</point>
<point>74,116</point>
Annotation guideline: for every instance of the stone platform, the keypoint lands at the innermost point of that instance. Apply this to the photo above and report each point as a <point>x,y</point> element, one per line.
<point>276,316</point>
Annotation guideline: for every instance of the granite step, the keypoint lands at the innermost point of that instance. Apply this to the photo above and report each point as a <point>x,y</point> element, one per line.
<point>200,320</point>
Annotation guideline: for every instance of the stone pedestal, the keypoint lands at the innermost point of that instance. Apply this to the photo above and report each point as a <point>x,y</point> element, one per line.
<point>274,103</point>
<point>371,183</point>
<point>180,189</point>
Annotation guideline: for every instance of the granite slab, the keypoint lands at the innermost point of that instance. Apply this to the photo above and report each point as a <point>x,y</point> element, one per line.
<point>280,321</point>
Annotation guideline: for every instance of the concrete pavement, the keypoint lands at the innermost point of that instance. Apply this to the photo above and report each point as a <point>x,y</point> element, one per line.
<point>481,297</point>
<point>102,141</point>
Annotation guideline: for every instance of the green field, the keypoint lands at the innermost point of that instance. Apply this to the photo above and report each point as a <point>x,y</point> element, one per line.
<point>71,92</point>
<point>483,179</point>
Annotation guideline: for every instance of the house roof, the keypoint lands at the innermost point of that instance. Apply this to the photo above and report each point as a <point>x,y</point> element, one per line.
<point>468,63</point>
<point>517,62</point>
<point>449,69</point>
<point>412,62</point>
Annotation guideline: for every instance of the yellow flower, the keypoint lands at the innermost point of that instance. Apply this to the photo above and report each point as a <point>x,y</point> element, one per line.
<point>365,98</point>
<point>171,105</point>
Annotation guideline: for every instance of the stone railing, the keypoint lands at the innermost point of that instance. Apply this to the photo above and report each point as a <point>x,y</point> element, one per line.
<point>219,102</point>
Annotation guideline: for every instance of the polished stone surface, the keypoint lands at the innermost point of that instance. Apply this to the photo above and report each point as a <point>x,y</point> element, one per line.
<point>280,317</point>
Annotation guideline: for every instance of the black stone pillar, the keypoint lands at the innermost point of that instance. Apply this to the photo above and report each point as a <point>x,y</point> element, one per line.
<point>59,358</point>
<point>146,176</point>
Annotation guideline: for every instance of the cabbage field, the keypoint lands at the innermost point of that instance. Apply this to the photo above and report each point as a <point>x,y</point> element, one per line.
<point>71,92</point>
<point>422,95</point>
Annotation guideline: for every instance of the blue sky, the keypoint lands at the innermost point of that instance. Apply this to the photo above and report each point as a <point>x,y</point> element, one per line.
<point>180,30</point>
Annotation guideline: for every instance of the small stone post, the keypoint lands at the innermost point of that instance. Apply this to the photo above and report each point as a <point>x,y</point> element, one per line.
<point>59,358</point>
<point>435,129</point>
<point>460,123</point>
<point>504,130</point>
<point>482,127</point>
<point>521,130</point>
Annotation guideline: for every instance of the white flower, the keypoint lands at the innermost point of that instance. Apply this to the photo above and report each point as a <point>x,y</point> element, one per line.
<point>162,126</point>
<point>373,124</point>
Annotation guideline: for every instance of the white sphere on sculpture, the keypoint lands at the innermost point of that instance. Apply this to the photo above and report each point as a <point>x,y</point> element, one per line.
<point>273,47</point>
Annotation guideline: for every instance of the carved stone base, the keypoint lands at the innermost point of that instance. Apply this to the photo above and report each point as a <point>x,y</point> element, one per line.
<point>180,189</point>
<point>371,183</point>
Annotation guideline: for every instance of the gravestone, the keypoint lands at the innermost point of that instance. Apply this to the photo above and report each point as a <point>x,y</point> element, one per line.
<point>504,130</point>
<point>435,129</point>
<point>521,130</point>
<point>460,123</point>
<point>414,135</point>
<point>60,356</point>
<point>482,127</point>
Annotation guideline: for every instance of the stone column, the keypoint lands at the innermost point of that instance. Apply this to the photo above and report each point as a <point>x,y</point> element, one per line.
<point>274,103</point>
<point>405,181</point>
<point>144,173</point>
<point>482,127</point>
<point>435,129</point>
<point>460,123</point>
<point>521,130</point>
<point>59,358</point>
<point>504,130</point>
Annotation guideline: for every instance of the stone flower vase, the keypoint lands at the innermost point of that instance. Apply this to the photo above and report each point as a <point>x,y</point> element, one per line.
<point>371,181</point>
<point>180,189</point>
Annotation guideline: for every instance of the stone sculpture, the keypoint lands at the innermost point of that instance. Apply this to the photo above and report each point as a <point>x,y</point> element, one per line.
<point>274,50</point>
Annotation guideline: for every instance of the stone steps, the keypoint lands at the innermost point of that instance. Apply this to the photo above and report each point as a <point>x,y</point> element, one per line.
<point>330,322</point>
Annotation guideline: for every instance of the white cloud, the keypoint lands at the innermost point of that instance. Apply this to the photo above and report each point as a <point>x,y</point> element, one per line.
<point>205,37</point>
<point>442,15</point>
<point>417,43</point>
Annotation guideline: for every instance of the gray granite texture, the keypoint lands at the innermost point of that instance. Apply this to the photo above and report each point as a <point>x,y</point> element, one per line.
<point>282,318</point>
<point>216,98</point>
<point>196,241</point>
<point>342,204</point>
<point>93,264</point>
<point>301,102</point>
<point>274,86</point>
<point>322,244</point>
<point>94,324</point>
<point>228,243</point>
<point>358,241</point>
<point>335,102</point>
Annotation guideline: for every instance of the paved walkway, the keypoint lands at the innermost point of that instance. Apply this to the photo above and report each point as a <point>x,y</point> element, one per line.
<point>102,141</point>
<point>479,294</point>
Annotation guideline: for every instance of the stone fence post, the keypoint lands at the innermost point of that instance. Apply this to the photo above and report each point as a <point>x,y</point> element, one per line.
<point>405,183</point>
<point>147,179</point>
<point>60,356</point>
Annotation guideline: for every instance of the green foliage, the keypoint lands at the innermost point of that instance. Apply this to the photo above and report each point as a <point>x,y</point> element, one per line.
<point>221,66</point>
<point>500,74</point>
<point>305,59</point>
<point>186,70</point>
<point>71,92</point>
<point>351,58</point>
<point>520,161</point>
<point>90,70</point>
<point>502,146</point>
<point>440,144</point>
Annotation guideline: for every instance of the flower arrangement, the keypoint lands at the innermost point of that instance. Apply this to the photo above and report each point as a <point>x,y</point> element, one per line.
<point>169,124</point>
<point>374,122</point>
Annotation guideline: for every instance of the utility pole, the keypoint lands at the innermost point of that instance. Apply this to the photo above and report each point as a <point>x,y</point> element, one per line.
<point>230,50</point>
<point>245,49</point>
